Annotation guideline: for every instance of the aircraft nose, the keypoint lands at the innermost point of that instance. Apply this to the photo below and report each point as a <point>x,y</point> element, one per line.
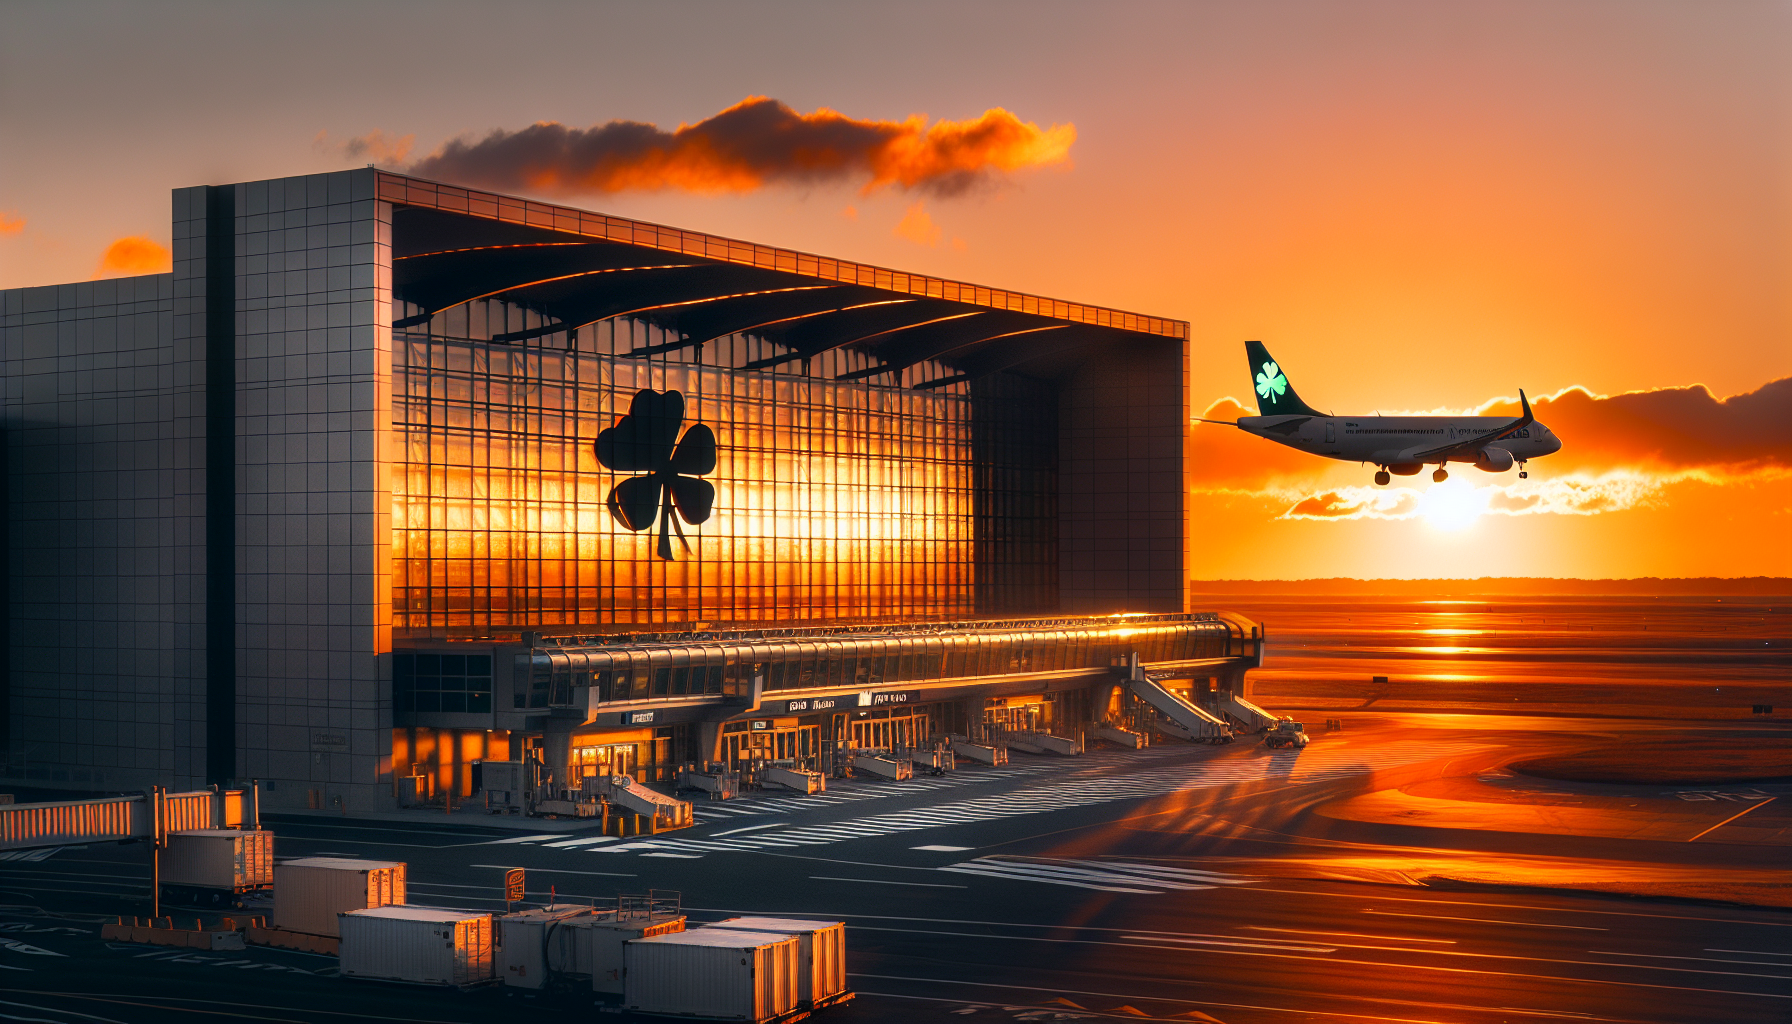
<point>1555,445</point>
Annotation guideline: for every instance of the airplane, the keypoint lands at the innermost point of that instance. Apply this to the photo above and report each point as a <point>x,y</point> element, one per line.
<point>1398,445</point>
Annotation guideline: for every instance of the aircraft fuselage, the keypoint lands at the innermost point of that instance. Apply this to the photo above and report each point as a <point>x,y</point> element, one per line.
<point>1392,440</point>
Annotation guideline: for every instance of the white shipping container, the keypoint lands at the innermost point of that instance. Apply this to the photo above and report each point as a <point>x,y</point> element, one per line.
<point>420,945</point>
<point>534,944</point>
<point>821,967</point>
<point>309,892</point>
<point>713,973</point>
<point>600,939</point>
<point>232,860</point>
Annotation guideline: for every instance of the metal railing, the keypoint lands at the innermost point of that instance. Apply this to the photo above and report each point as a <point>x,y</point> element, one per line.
<point>149,815</point>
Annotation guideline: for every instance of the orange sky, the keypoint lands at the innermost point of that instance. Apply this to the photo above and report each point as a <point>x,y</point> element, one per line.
<point>1416,205</point>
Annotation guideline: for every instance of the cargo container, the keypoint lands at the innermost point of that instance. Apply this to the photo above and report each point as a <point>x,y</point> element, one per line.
<point>419,945</point>
<point>713,974</point>
<point>821,962</point>
<point>535,945</point>
<point>309,892</point>
<point>217,866</point>
<point>600,939</point>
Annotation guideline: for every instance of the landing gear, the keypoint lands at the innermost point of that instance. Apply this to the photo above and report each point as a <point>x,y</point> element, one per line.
<point>1522,475</point>
<point>1382,478</point>
<point>1440,476</point>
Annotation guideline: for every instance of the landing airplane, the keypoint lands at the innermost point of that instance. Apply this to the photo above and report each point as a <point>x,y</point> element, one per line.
<point>1399,445</point>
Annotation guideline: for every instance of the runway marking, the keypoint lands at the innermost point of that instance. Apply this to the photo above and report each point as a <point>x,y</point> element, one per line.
<point>1733,817</point>
<point>1750,952</point>
<point>943,849</point>
<point>1483,920</point>
<point>524,839</point>
<point>1208,1002</point>
<point>1411,967</point>
<point>1699,959</point>
<point>880,881</point>
<point>1241,945</point>
<point>680,856</point>
<point>1346,935</point>
<point>579,842</point>
<point>749,828</point>
<point>1141,879</point>
<point>556,871</point>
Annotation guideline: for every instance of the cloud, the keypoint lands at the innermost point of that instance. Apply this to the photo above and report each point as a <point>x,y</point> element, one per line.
<point>1667,427</point>
<point>757,142</point>
<point>918,227</point>
<point>10,222</point>
<point>375,147</point>
<point>1576,494</point>
<point>134,254</point>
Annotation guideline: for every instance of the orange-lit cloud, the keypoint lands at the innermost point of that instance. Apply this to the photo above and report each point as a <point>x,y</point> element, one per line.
<point>134,254</point>
<point>756,142</point>
<point>1670,427</point>
<point>917,227</point>
<point>10,222</point>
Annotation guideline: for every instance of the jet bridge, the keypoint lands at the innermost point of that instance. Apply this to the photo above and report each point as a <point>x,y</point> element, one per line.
<point>1179,717</point>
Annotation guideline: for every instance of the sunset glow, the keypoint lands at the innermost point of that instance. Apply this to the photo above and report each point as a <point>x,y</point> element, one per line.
<point>1417,207</point>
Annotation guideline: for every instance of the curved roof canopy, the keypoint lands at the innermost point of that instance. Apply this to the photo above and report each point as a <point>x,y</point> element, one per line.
<point>453,245</point>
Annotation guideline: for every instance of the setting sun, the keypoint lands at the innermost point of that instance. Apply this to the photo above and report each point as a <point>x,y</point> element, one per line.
<point>1453,505</point>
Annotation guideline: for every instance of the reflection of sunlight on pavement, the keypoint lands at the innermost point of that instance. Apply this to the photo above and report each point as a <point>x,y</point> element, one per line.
<point>1424,868</point>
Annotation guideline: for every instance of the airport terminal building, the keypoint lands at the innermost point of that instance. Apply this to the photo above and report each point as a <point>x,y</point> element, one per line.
<point>389,477</point>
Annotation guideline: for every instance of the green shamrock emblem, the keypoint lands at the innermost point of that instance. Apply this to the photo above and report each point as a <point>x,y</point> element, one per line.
<point>1270,382</point>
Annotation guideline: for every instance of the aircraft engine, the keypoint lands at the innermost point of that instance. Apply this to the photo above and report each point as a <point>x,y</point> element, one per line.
<point>1406,468</point>
<point>1493,460</point>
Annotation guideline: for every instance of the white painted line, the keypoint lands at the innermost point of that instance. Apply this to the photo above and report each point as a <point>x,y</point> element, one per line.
<point>1483,920</point>
<point>1048,881</point>
<point>1700,959</point>
<point>1240,945</point>
<point>680,856</point>
<point>749,828</point>
<point>525,839</point>
<point>879,881</point>
<point>1347,935</point>
<point>1750,952</point>
<point>580,842</point>
<point>549,871</point>
<point>943,849</point>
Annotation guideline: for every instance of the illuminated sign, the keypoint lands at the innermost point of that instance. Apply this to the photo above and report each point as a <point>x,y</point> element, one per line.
<point>794,707</point>
<point>896,697</point>
<point>637,717</point>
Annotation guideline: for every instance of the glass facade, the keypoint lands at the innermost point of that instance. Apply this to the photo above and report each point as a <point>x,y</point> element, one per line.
<point>834,501</point>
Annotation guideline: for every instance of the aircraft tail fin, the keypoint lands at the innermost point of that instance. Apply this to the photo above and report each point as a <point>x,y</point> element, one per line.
<point>1275,395</point>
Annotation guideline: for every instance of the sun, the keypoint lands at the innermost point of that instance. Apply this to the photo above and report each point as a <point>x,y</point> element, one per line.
<point>1453,505</point>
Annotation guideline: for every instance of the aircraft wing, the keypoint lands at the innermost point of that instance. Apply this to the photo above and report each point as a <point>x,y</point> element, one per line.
<point>1474,444</point>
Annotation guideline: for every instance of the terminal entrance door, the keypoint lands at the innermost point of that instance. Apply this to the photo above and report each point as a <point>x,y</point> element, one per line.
<point>1017,718</point>
<point>886,733</point>
<point>770,740</point>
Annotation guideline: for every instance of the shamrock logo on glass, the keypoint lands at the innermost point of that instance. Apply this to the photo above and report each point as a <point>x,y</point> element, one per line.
<point>646,441</point>
<point>1270,382</point>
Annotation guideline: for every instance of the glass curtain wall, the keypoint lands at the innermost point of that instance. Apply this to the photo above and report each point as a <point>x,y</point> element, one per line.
<point>833,500</point>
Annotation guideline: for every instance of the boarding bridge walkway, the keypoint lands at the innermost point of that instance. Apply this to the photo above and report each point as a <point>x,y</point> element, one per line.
<point>118,818</point>
<point>1184,720</point>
